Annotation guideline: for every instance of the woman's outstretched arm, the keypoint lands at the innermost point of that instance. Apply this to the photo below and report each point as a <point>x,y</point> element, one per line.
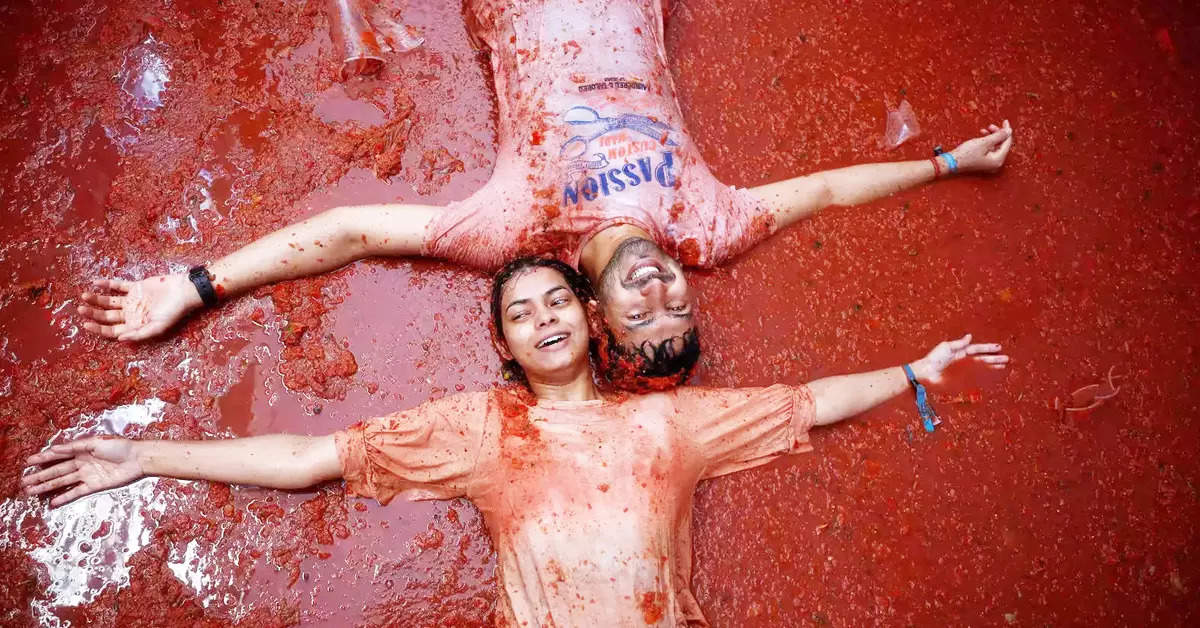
<point>843,396</point>
<point>94,464</point>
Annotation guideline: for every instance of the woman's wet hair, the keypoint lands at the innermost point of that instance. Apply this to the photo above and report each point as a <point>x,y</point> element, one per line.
<point>652,368</point>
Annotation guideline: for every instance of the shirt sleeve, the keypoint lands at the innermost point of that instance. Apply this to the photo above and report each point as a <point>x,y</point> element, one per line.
<point>740,428</point>
<point>428,452</point>
<point>488,228</point>
<point>728,220</point>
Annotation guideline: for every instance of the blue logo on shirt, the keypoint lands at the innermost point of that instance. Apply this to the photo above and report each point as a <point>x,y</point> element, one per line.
<point>604,180</point>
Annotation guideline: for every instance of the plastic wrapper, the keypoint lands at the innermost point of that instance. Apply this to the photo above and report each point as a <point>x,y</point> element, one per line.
<point>902,126</point>
<point>362,33</point>
<point>356,42</point>
<point>396,36</point>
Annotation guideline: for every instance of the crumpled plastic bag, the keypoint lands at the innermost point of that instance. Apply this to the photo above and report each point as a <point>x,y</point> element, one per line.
<point>902,126</point>
<point>362,32</point>
<point>396,36</point>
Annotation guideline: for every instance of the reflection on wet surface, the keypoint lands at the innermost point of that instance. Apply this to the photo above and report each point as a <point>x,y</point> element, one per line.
<point>144,74</point>
<point>91,540</point>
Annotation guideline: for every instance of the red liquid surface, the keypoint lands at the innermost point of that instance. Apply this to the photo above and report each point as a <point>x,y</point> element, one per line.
<point>140,140</point>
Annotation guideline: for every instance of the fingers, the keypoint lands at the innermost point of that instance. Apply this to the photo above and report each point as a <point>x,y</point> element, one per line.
<point>116,285</point>
<point>143,332</point>
<point>997,135</point>
<point>983,348</point>
<point>71,495</point>
<point>50,473</point>
<point>108,331</point>
<point>42,457</point>
<point>958,348</point>
<point>105,308</point>
<point>992,359</point>
<point>103,300</point>
<point>82,445</point>
<point>61,451</point>
<point>67,479</point>
<point>1002,152</point>
<point>102,316</point>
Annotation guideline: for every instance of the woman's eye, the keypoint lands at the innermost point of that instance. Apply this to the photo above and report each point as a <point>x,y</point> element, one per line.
<point>520,316</point>
<point>637,317</point>
<point>559,301</point>
<point>679,309</point>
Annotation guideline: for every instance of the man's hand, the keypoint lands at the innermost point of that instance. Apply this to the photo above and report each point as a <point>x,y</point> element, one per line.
<point>986,153</point>
<point>930,368</point>
<point>139,309</point>
<point>88,465</point>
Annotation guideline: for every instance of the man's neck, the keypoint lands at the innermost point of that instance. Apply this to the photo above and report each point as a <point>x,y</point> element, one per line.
<point>599,250</point>
<point>578,388</point>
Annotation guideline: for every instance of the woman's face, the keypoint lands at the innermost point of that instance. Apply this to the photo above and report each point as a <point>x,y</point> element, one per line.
<point>544,324</point>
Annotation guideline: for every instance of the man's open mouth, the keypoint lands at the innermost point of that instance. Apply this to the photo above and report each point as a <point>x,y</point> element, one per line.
<point>644,269</point>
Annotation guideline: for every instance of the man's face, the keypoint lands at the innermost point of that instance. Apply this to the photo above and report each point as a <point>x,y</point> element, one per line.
<point>644,295</point>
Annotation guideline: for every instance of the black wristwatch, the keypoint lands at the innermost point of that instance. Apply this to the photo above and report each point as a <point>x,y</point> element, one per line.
<point>202,279</point>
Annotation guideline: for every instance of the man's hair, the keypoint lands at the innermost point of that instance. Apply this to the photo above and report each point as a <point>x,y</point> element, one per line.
<point>649,367</point>
<point>646,368</point>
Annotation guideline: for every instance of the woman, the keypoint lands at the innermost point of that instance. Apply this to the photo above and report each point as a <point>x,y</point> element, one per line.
<point>587,495</point>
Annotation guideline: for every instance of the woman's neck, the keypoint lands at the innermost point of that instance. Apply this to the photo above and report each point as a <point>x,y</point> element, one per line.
<point>577,388</point>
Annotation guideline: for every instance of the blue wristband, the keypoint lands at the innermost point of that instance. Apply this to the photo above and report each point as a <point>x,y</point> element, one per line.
<point>929,418</point>
<point>951,162</point>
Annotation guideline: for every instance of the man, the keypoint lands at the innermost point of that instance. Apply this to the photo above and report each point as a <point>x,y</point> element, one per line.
<point>593,166</point>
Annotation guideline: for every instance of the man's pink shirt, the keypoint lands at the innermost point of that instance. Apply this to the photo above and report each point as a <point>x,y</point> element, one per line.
<point>590,136</point>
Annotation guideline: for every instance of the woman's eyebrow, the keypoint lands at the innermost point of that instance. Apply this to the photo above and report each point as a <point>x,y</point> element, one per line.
<point>544,294</point>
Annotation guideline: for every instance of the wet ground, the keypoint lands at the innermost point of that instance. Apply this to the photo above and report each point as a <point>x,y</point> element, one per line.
<point>140,140</point>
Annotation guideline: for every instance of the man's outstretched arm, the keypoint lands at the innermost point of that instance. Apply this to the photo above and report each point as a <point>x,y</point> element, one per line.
<point>793,199</point>
<point>843,396</point>
<point>333,238</point>
<point>95,464</point>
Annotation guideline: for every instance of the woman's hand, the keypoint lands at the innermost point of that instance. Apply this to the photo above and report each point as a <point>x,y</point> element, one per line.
<point>140,309</point>
<point>88,465</point>
<point>986,153</point>
<point>930,368</point>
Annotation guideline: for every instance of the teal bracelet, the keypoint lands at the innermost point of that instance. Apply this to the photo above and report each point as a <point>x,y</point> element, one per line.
<point>951,162</point>
<point>929,418</point>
